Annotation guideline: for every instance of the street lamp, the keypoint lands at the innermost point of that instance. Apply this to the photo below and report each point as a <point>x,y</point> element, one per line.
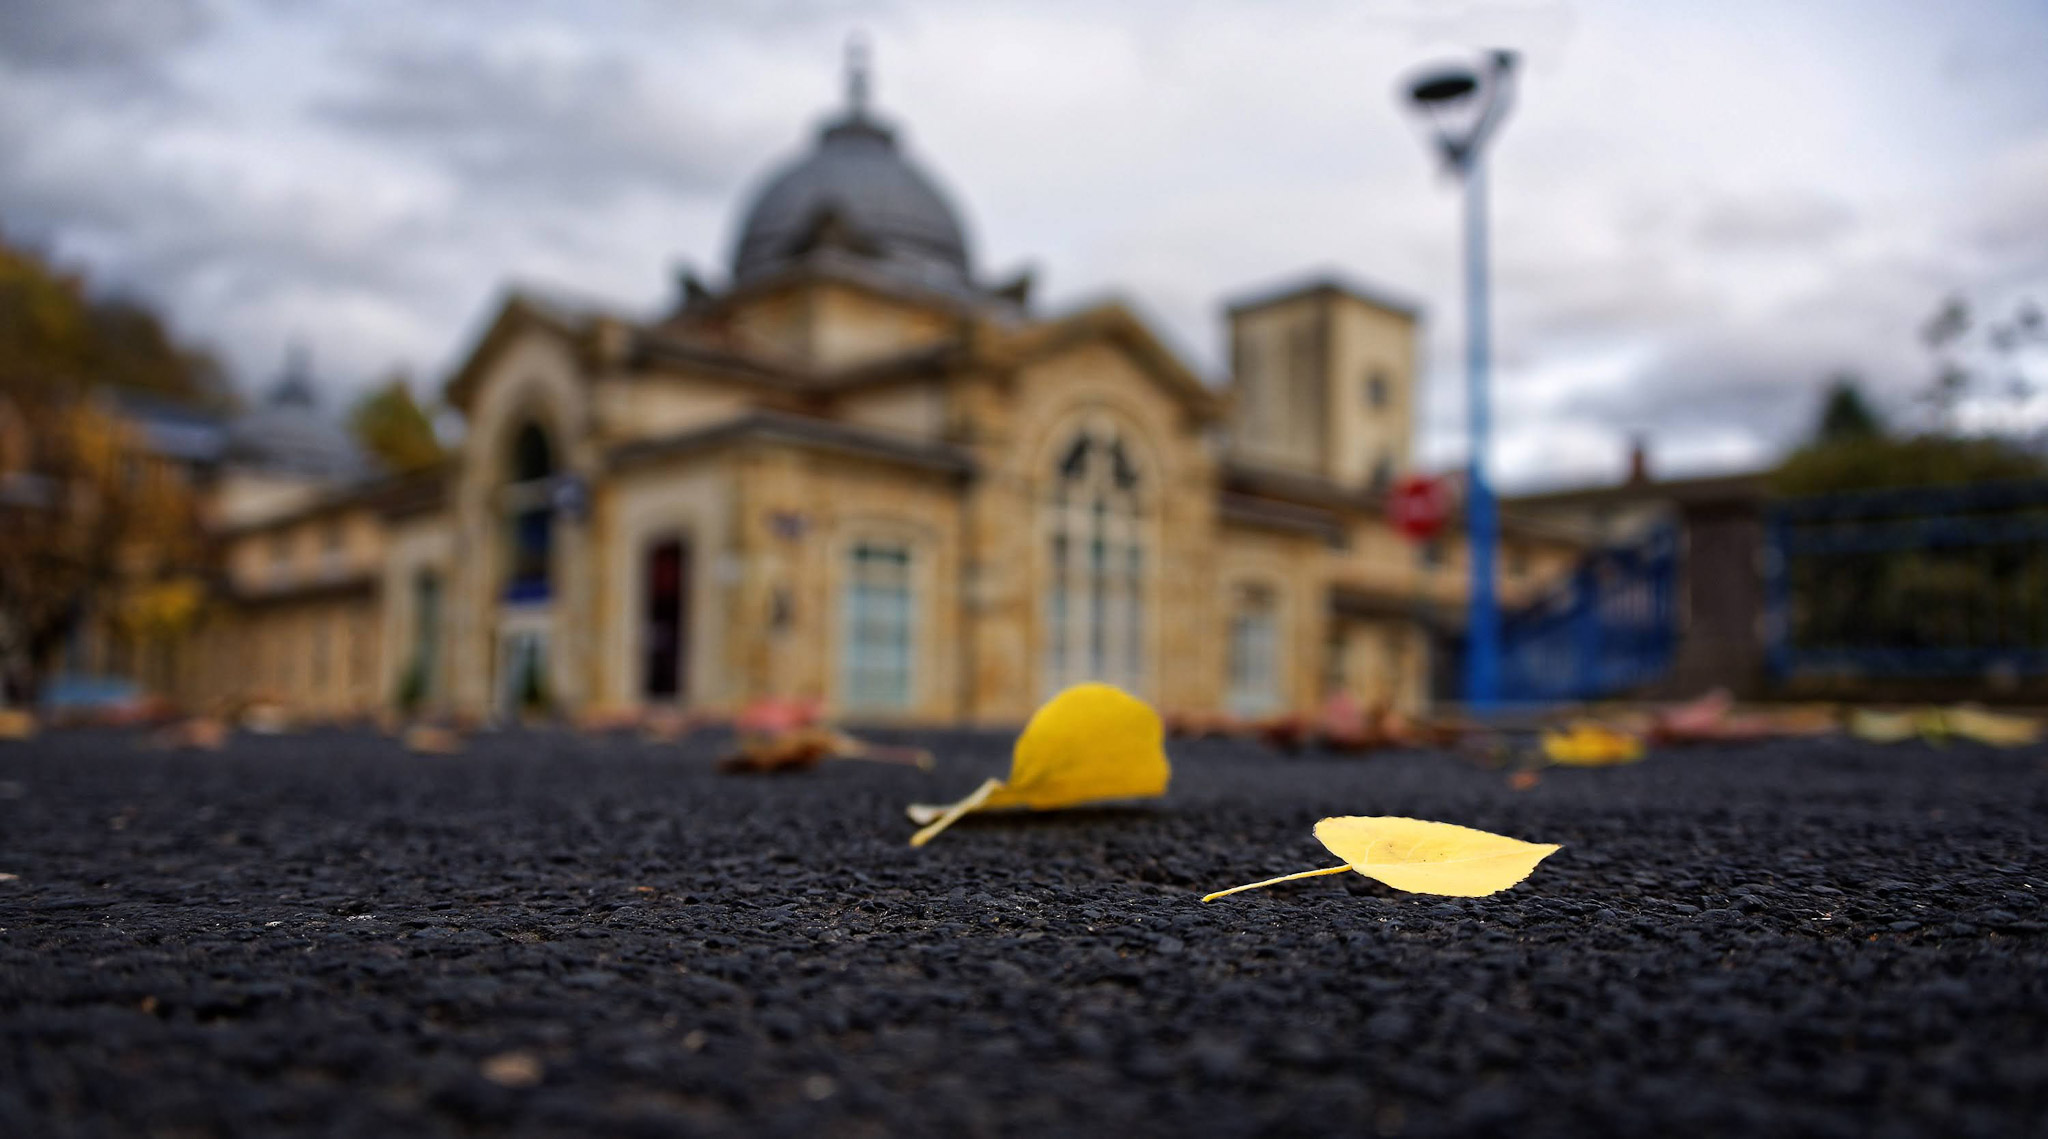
<point>1465,108</point>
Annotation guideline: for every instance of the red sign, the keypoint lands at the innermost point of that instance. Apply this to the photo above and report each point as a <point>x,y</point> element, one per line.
<point>1419,506</point>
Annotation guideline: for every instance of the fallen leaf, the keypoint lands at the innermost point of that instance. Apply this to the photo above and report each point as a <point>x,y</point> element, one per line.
<point>1285,733</point>
<point>1523,780</point>
<point>1202,725</point>
<point>513,1069</point>
<point>1713,719</point>
<point>1892,727</point>
<point>1089,744</point>
<point>17,724</point>
<point>266,718</point>
<point>665,726</point>
<point>1420,857</point>
<point>1590,743</point>
<point>425,739</point>
<point>800,749</point>
<point>200,733</point>
<point>775,716</point>
<point>1998,729</point>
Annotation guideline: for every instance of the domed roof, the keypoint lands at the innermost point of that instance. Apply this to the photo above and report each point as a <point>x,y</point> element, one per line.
<point>289,434</point>
<point>855,191</point>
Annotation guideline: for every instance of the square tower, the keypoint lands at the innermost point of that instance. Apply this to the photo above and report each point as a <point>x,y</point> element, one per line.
<point>1323,375</point>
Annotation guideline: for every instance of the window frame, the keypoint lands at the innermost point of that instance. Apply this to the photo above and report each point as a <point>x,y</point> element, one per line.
<point>859,590</point>
<point>1254,682</point>
<point>1097,547</point>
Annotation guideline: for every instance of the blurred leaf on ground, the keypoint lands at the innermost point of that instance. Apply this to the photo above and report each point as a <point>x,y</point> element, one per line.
<point>1590,743</point>
<point>1964,721</point>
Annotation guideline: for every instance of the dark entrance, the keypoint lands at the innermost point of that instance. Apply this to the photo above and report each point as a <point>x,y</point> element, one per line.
<point>667,619</point>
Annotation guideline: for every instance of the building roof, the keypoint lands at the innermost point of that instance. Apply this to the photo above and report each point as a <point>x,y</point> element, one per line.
<point>391,496</point>
<point>802,431</point>
<point>1326,282</point>
<point>174,430</point>
<point>1747,487</point>
<point>290,433</point>
<point>855,191</point>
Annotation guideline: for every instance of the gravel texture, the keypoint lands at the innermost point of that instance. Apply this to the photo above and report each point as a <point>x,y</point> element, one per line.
<point>554,934</point>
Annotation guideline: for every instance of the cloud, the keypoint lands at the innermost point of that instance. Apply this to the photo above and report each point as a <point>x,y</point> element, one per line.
<point>574,131</point>
<point>1698,215</point>
<point>1788,221</point>
<point>123,38</point>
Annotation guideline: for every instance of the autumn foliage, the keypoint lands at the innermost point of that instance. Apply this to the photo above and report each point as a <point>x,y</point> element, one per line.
<point>87,516</point>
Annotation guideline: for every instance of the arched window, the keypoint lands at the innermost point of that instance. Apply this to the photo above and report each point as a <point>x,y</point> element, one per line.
<point>529,515</point>
<point>1095,534</point>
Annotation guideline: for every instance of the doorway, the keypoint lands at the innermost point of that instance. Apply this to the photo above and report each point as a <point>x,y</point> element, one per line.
<point>666,621</point>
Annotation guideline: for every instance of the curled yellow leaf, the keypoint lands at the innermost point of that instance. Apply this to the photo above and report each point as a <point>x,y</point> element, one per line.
<point>1420,857</point>
<point>1997,729</point>
<point>1089,744</point>
<point>1888,727</point>
<point>1589,743</point>
<point>1936,725</point>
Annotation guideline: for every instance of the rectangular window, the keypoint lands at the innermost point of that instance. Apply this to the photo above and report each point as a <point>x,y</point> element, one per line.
<point>1254,660</point>
<point>331,560</point>
<point>878,643</point>
<point>1376,388</point>
<point>320,649</point>
<point>426,638</point>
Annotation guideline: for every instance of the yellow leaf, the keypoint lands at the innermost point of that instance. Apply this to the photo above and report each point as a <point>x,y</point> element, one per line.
<point>1888,727</point>
<point>1091,743</point>
<point>1995,728</point>
<point>1420,857</point>
<point>1589,743</point>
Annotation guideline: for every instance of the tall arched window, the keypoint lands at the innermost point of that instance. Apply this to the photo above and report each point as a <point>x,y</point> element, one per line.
<point>1095,534</point>
<point>529,515</point>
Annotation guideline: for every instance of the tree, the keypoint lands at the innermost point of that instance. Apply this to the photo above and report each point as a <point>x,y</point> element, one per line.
<point>1920,460</point>
<point>84,506</point>
<point>53,336</point>
<point>1979,360</point>
<point>1846,415</point>
<point>391,426</point>
<point>92,511</point>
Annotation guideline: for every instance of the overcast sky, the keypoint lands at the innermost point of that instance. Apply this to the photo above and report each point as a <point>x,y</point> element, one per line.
<point>1701,210</point>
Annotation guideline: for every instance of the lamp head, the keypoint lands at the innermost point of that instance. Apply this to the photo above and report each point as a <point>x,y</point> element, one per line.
<point>1443,88</point>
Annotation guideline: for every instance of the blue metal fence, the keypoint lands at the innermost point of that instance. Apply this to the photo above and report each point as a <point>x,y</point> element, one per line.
<point>1610,628</point>
<point>1923,582</point>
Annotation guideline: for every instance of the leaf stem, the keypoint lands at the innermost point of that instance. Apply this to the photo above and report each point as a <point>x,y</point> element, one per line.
<point>953,813</point>
<point>1276,881</point>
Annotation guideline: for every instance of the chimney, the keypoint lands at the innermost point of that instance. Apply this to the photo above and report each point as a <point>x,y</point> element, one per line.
<point>1638,460</point>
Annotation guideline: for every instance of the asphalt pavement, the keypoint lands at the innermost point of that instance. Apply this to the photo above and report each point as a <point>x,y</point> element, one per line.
<point>567,935</point>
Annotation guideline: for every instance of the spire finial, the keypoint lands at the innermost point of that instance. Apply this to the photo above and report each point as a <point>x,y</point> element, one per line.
<point>857,74</point>
<point>295,384</point>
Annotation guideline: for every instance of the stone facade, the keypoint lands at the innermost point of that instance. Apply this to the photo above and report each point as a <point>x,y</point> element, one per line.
<point>855,476</point>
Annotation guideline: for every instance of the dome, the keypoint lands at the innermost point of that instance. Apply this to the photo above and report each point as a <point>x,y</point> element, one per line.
<point>855,191</point>
<point>288,434</point>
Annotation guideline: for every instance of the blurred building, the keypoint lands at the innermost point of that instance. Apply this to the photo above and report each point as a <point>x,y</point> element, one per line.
<point>1718,523</point>
<point>858,472</point>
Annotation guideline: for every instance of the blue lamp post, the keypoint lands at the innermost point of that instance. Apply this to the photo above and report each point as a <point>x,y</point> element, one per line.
<point>1466,109</point>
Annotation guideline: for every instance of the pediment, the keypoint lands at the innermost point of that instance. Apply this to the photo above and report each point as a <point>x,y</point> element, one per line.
<point>1115,325</point>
